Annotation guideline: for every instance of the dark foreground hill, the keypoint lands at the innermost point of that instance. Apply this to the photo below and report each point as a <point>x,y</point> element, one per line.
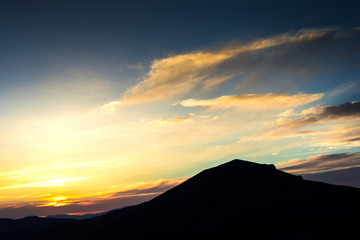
<point>236,200</point>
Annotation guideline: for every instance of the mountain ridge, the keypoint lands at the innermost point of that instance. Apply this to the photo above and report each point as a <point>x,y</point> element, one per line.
<point>237,198</point>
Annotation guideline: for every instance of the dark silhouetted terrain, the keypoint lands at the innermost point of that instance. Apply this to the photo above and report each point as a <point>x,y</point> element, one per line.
<point>236,200</point>
<point>80,217</point>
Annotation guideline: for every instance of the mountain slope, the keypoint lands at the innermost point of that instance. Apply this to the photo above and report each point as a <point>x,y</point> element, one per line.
<point>241,197</point>
<point>22,228</point>
<point>238,199</point>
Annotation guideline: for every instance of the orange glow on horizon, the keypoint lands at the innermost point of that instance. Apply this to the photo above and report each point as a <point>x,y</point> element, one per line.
<point>138,191</point>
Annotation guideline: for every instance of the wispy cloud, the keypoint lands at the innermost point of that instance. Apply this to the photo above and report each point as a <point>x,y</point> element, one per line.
<point>270,101</point>
<point>178,119</point>
<point>136,66</point>
<point>109,107</point>
<point>336,126</point>
<point>30,172</point>
<point>321,163</point>
<point>56,181</point>
<point>158,186</point>
<point>179,74</point>
<point>321,115</point>
<point>345,137</point>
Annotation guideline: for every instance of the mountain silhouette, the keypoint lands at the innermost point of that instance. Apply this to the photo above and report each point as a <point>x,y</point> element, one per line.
<point>79,217</point>
<point>235,200</point>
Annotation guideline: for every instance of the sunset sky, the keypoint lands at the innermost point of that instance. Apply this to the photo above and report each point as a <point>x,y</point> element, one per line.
<point>105,104</point>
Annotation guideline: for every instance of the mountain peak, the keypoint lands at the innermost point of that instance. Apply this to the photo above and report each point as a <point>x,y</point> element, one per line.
<point>239,163</point>
<point>238,199</point>
<point>240,171</point>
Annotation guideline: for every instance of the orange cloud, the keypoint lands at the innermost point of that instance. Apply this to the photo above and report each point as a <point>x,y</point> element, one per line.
<point>97,202</point>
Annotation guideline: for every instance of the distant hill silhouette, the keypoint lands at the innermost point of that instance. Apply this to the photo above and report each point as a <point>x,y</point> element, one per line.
<point>236,200</point>
<point>81,217</point>
<point>77,217</point>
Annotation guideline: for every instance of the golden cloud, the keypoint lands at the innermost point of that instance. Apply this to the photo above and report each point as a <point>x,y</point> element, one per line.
<point>178,119</point>
<point>179,74</point>
<point>270,101</point>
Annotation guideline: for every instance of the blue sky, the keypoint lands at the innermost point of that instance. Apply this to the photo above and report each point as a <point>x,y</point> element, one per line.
<point>99,98</point>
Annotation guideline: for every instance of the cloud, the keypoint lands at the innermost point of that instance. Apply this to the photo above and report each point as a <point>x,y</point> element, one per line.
<point>270,101</point>
<point>51,205</point>
<point>179,74</point>
<point>179,119</point>
<point>158,186</point>
<point>47,176</point>
<point>137,66</point>
<point>287,113</point>
<point>344,110</point>
<point>340,137</point>
<point>336,126</point>
<point>321,163</point>
<point>83,207</point>
<point>110,107</point>
<point>341,112</point>
<point>214,81</point>
<point>55,181</point>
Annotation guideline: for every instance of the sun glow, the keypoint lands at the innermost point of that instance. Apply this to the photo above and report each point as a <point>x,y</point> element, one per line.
<point>54,182</point>
<point>56,201</point>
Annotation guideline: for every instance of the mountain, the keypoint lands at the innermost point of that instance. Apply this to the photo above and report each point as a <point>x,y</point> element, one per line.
<point>236,200</point>
<point>78,217</point>
<point>22,228</point>
<point>81,217</point>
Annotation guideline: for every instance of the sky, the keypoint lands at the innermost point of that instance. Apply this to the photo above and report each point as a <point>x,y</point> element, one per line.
<point>105,104</point>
